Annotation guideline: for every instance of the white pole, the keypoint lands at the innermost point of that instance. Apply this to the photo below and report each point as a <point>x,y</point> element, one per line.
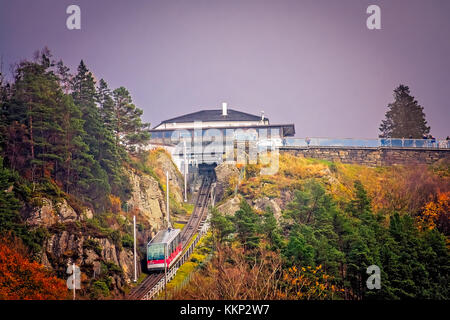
<point>185,173</point>
<point>167,196</point>
<point>134,237</point>
<point>74,279</point>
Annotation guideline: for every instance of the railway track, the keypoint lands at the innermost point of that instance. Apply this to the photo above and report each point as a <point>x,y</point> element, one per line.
<point>191,228</point>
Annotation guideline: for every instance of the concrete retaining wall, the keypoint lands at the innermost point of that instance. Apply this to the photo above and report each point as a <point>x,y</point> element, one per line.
<point>373,157</point>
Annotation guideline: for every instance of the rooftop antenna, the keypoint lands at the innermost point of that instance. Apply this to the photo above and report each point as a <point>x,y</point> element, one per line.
<point>262,116</point>
<point>167,199</point>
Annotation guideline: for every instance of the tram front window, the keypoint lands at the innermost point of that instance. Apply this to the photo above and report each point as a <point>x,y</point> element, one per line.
<point>155,251</point>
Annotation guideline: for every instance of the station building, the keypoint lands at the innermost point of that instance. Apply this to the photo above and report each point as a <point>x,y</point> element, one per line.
<point>226,125</point>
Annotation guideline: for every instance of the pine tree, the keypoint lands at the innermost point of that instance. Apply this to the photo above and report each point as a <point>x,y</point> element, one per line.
<point>106,104</point>
<point>222,226</point>
<point>405,117</point>
<point>9,204</point>
<point>34,114</point>
<point>271,229</point>
<point>94,184</point>
<point>113,155</point>
<point>128,126</point>
<point>311,205</point>
<point>247,224</point>
<point>64,76</point>
<point>298,251</point>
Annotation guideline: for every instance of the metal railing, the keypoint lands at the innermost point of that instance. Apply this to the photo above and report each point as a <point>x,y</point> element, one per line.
<point>179,287</point>
<point>156,290</point>
<point>367,143</point>
<point>159,287</point>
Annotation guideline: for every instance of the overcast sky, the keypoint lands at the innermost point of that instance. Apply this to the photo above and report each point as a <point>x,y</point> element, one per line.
<point>313,63</point>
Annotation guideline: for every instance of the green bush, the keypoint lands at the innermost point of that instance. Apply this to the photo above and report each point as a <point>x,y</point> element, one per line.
<point>113,268</point>
<point>127,241</point>
<point>115,237</point>
<point>93,245</point>
<point>100,287</point>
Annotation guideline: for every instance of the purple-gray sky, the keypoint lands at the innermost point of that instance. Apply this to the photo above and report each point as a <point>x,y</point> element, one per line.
<point>309,62</point>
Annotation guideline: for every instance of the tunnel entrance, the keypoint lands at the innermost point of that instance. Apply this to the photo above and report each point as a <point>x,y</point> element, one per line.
<point>207,169</point>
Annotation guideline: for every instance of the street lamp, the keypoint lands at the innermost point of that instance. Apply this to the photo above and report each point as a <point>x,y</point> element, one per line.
<point>185,172</point>
<point>134,244</point>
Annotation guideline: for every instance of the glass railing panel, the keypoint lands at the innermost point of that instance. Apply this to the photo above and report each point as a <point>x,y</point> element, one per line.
<point>369,143</point>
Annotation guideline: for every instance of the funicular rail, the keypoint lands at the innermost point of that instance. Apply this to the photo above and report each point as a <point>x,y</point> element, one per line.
<point>155,282</point>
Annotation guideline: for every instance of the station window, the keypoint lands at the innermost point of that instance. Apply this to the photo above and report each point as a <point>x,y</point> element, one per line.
<point>156,135</point>
<point>167,134</point>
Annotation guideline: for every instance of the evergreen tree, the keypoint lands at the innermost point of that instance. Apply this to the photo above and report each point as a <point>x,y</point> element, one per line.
<point>221,226</point>
<point>298,251</point>
<point>9,204</point>
<point>96,185</point>
<point>44,138</point>
<point>128,126</point>
<point>405,117</point>
<point>247,223</point>
<point>30,106</point>
<point>64,76</point>
<point>419,263</point>
<point>84,96</point>
<point>113,155</point>
<point>11,222</point>
<point>271,230</point>
<point>311,205</point>
<point>106,104</point>
<point>437,258</point>
<point>42,121</point>
<point>361,205</point>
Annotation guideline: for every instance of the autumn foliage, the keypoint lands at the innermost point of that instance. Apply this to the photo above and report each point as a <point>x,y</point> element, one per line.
<point>307,283</point>
<point>22,279</point>
<point>335,221</point>
<point>232,275</point>
<point>115,203</point>
<point>436,213</point>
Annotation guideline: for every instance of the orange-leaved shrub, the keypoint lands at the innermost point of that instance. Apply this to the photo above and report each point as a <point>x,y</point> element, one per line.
<point>436,213</point>
<point>22,279</point>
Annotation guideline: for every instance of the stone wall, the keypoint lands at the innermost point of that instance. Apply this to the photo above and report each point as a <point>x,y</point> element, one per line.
<point>372,157</point>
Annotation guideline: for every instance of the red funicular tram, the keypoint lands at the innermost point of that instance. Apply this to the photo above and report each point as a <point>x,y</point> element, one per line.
<point>169,238</point>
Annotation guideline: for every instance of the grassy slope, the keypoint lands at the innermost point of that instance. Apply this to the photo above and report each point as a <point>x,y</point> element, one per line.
<point>390,188</point>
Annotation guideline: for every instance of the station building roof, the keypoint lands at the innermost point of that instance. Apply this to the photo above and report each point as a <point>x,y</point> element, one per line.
<point>213,116</point>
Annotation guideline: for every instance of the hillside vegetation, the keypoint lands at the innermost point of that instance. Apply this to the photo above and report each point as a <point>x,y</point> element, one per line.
<point>72,175</point>
<point>334,221</point>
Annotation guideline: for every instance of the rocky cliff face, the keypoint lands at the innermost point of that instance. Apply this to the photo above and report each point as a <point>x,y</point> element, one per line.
<point>98,257</point>
<point>46,213</point>
<point>101,249</point>
<point>224,174</point>
<point>147,197</point>
<point>164,163</point>
<point>73,239</point>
